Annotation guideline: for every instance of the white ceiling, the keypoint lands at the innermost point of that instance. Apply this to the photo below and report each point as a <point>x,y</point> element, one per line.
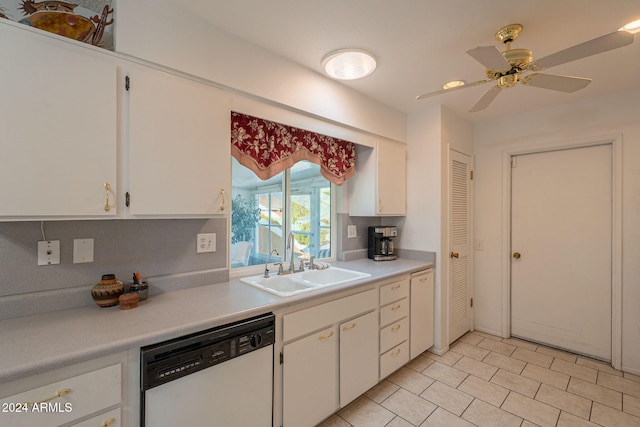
<point>421,44</point>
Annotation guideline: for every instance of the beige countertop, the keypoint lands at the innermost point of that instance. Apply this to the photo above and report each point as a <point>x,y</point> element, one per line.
<point>42,342</point>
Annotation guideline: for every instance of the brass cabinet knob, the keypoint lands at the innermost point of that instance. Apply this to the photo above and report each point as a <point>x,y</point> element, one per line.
<point>516,255</point>
<point>455,254</point>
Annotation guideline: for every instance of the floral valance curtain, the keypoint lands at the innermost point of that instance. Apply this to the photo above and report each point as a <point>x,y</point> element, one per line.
<point>268,148</point>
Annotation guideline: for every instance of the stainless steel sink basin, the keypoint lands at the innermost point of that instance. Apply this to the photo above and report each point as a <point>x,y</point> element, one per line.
<point>305,281</point>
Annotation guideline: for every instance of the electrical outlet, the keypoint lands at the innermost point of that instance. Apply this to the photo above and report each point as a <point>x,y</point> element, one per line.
<point>82,250</point>
<point>48,252</point>
<point>205,242</point>
<point>351,232</point>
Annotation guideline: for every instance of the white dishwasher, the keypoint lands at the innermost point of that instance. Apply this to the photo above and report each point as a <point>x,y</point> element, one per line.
<point>218,377</point>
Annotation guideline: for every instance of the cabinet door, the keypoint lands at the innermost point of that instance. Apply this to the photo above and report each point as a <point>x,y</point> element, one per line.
<point>179,146</point>
<point>391,179</point>
<point>421,313</point>
<point>58,121</point>
<point>310,379</point>
<point>358,357</point>
<point>379,186</point>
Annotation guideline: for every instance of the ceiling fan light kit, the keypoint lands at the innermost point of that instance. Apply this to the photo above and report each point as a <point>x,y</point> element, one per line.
<point>632,27</point>
<point>511,66</point>
<point>453,83</point>
<point>349,64</point>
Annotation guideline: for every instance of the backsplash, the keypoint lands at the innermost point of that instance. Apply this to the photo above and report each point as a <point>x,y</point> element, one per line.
<point>163,251</point>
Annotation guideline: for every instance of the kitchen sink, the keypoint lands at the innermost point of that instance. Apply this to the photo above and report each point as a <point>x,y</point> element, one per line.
<point>304,281</point>
<point>331,276</point>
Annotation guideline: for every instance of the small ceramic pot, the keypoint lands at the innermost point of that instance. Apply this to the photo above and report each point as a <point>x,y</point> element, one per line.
<point>107,291</point>
<point>142,289</point>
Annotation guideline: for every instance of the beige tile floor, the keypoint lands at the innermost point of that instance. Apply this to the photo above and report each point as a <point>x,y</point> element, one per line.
<point>484,380</point>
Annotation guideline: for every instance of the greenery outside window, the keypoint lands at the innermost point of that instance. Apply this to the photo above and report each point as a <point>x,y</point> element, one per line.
<point>264,213</point>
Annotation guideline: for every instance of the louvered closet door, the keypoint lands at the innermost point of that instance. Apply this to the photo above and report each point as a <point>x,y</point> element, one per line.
<point>460,315</point>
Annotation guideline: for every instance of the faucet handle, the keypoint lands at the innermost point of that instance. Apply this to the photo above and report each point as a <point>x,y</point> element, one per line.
<point>280,270</point>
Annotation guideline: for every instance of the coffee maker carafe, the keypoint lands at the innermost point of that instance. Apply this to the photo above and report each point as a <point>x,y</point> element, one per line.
<point>381,243</point>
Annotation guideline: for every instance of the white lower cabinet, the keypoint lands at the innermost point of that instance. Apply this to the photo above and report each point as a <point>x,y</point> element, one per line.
<point>394,359</point>
<point>422,299</point>
<point>310,379</point>
<point>323,369</point>
<point>394,326</point>
<point>358,357</point>
<point>64,401</point>
<point>336,351</point>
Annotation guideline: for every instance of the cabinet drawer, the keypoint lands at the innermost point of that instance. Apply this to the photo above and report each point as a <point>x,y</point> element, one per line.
<point>394,334</point>
<point>311,319</point>
<point>394,291</point>
<point>67,400</point>
<point>108,419</point>
<point>394,311</point>
<point>394,359</point>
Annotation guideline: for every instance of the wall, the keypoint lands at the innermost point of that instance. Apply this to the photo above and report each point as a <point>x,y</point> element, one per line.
<point>430,133</point>
<point>176,37</point>
<point>589,120</point>
<point>163,251</point>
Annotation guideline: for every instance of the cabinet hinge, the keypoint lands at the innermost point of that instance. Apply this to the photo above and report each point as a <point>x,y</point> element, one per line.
<point>127,83</point>
<point>281,358</point>
<point>471,175</point>
<point>471,302</point>
<point>127,199</point>
<point>514,162</point>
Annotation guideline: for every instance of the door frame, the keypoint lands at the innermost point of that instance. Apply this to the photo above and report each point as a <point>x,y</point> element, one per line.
<point>616,244</point>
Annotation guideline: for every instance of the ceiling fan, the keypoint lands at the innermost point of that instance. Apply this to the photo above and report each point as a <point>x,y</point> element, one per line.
<point>517,65</point>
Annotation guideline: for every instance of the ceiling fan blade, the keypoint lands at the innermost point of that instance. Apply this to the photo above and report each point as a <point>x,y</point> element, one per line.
<point>485,99</point>
<point>592,47</point>
<point>555,82</point>
<point>489,56</point>
<point>441,91</point>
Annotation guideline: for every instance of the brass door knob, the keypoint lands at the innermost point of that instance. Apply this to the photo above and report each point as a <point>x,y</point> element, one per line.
<point>455,254</point>
<point>516,255</point>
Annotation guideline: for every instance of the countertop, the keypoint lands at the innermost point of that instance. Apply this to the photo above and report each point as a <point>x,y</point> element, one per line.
<point>38,343</point>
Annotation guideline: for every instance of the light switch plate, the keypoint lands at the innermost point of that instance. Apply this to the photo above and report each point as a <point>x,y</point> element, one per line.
<point>205,242</point>
<point>82,250</point>
<point>48,252</point>
<point>351,232</point>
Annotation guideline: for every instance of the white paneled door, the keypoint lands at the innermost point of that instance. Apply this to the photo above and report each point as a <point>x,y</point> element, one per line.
<point>561,259</point>
<point>460,314</point>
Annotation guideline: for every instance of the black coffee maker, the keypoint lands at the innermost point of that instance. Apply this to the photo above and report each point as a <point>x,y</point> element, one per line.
<point>381,243</point>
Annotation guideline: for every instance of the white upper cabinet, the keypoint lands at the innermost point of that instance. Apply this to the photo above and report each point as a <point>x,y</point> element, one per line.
<point>58,117</point>
<point>179,148</point>
<point>379,186</point>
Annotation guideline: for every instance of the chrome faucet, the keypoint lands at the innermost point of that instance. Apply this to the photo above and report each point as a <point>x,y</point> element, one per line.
<point>266,264</point>
<point>290,245</point>
<point>292,265</point>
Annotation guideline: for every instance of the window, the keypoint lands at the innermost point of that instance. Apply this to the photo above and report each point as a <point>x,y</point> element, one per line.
<point>296,202</point>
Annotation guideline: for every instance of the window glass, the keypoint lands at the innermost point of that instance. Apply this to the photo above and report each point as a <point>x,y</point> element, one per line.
<point>310,211</point>
<point>294,203</point>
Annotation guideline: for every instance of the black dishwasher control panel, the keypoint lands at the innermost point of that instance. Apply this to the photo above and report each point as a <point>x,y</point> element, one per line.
<point>176,358</point>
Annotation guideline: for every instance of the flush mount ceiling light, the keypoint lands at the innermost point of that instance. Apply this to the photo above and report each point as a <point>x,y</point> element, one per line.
<point>349,64</point>
<point>632,27</point>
